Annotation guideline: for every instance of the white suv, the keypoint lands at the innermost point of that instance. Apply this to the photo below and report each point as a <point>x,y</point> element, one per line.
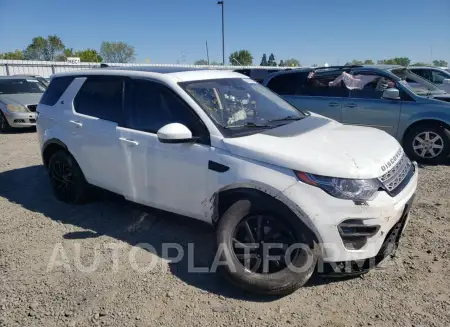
<point>287,190</point>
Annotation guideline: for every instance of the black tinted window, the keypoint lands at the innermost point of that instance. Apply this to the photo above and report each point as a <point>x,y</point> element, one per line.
<point>425,73</point>
<point>149,106</point>
<point>284,84</point>
<point>56,88</point>
<point>101,97</point>
<point>319,87</point>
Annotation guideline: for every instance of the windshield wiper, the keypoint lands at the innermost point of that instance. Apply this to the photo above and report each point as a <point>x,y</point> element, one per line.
<point>250,125</point>
<point>286,118</point>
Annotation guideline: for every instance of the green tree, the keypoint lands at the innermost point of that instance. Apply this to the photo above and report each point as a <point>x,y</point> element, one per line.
<point>281,64</point>
<point>291,63</point>
<point>16,55</point>
<point>88,55</point>
<point>44,49</point>
<point>200,62</point>
<point>263,60</point>
<point>402,61</point>
<point>440,63</point>
<point>368,62</point>
<point>354,63</point>
<point>241,58</point>
<point>215,63</point>
<point>117,52</point>
<point>271,61</point>
<point>419,64</point>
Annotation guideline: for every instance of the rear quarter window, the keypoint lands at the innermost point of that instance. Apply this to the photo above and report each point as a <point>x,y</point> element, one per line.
<point>57,87</point>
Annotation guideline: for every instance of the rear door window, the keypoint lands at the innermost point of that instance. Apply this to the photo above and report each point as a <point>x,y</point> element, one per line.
<point>101,97</point>
<point>150,105</point>
<point>55,90</point>
<point>285,84</point>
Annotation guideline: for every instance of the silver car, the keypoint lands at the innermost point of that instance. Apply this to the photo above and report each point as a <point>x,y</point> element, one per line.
<point>19,97</point>
<point>438,76</point>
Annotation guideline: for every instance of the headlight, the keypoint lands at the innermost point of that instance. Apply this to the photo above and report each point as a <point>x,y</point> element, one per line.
<point>16,108</point>
<point>343,188</point>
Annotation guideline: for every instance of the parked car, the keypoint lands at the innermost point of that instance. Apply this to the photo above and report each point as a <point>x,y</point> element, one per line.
<point>438,76</point>
<point>411,113</point>
<point>42,80</point>
<point>219,147</point>
<point>259,74</point>
<point>19,97</point>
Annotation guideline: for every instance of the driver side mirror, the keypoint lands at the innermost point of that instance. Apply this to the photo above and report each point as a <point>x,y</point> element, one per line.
<point>391,94</point>
<point>175,133</point>
<point>446,81</point>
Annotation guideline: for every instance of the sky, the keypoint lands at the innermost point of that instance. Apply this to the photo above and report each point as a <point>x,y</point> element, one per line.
<point>176,31</point>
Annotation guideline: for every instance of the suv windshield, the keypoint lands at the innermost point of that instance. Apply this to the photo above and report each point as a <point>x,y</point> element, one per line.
<point>416,84</point>
<point>238,102</point>
<point>18,86</point>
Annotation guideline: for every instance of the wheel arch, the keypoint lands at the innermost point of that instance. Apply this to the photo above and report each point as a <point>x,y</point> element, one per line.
<point>226,196</point>
<point>50,147</point>
<point>431,121</point>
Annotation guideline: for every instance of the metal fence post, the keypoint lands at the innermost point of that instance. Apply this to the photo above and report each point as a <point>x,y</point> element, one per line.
<point>53,69</point>
<point>7,69</point>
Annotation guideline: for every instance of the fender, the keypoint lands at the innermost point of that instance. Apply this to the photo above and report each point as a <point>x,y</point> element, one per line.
<point>47,144</point>
<point>255,187</point>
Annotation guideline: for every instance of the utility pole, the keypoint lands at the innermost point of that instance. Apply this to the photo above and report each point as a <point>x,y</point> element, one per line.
<point>207,52</point>
<point>223,34</point>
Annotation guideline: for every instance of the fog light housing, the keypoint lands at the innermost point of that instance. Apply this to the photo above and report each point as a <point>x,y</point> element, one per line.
<point>354,233</point>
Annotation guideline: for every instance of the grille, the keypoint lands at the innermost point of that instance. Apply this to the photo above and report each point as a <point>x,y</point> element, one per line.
<point>32,107</point>
<point>394,177</point>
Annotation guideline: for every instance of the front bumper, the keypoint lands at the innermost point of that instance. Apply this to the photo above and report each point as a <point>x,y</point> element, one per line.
<point>324,213</point>
<point>20,119</point>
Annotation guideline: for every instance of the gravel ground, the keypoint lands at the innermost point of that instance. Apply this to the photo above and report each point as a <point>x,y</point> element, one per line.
<point>410,290</point>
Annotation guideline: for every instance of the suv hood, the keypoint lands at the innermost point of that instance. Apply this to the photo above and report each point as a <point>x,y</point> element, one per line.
<point>23,98</point>
<point>321,146</point>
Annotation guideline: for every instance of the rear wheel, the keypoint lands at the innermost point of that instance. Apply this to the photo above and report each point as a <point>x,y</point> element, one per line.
<point>66,177</point>
<point>4,125</point>
<point>267,248</point>
<point>427,143</point>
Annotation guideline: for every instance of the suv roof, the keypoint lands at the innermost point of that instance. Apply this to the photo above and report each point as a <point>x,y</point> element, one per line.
<point>178,74</point>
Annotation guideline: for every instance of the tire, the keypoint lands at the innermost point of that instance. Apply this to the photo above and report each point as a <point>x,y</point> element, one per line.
<point>66,178</point>
<point>281,282</point>
<point>4,125</point>
<point>440,146</point>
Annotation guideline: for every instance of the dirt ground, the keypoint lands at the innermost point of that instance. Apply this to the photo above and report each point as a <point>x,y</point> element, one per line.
<point>46,248</point>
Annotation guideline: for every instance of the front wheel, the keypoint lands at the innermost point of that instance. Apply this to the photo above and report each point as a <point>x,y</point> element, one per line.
<point>266,247</point>
<point>427,143</point>
<point>4,125</point>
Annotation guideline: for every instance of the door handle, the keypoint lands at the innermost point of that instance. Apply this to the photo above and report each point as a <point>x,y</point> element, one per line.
<point>76,123</point>
<point>333,104</point>
<point>123,139</point>
<point>351,105</point>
